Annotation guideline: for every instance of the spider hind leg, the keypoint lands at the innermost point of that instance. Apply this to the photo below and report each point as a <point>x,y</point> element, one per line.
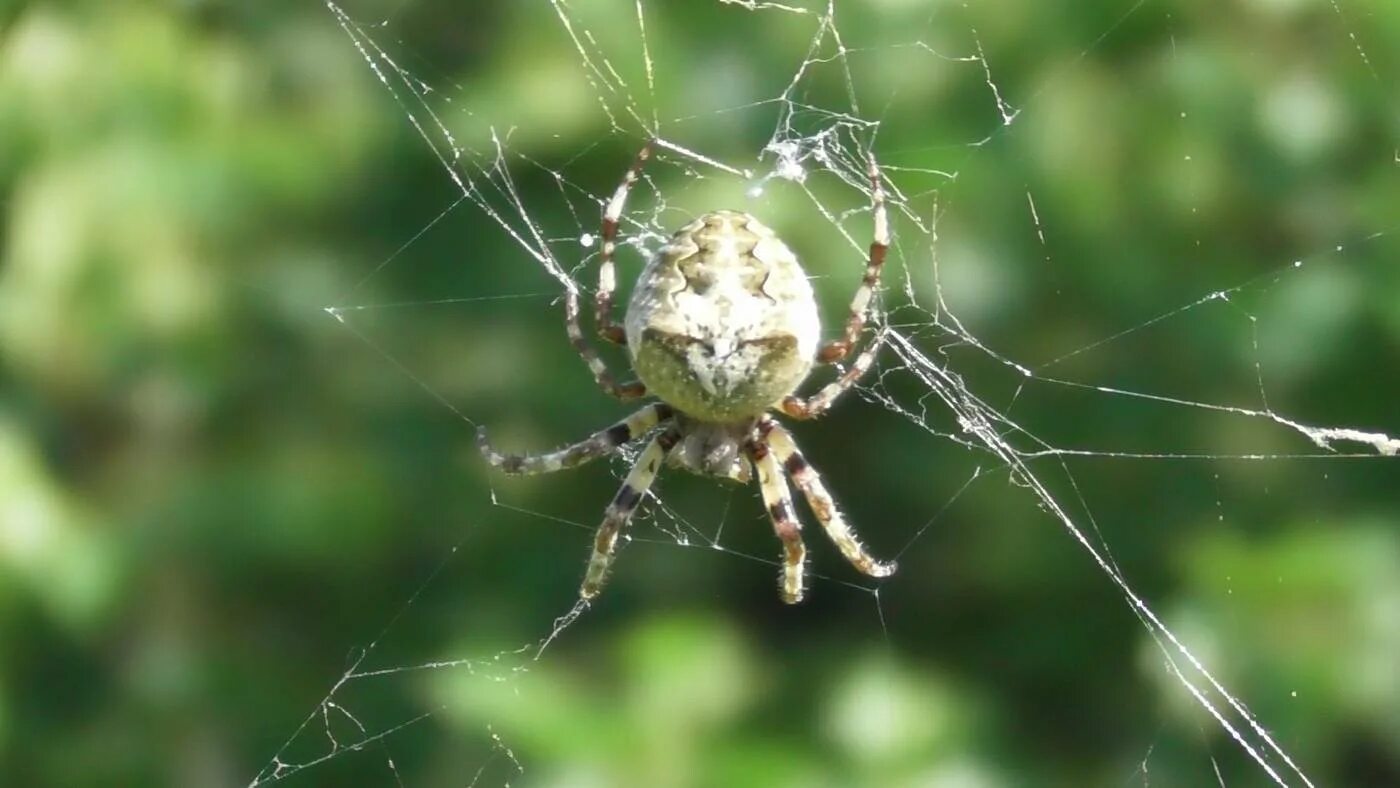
<point>838,349</point>
<point>607,272</point>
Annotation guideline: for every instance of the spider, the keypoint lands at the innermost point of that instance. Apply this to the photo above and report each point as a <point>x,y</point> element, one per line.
<point>722,327</point>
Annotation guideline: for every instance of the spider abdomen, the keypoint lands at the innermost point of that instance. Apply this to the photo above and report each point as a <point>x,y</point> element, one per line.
<point>723,323</point>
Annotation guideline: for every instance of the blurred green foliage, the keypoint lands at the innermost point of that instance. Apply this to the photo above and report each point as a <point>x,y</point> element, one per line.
<point>214,497</point>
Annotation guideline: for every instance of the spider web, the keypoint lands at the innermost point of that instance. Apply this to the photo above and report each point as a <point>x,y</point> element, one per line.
<point>817,85</point>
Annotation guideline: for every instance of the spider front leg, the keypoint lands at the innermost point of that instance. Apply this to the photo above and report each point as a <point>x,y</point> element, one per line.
<point>779,502</point>
<point>810,483</point>
<point>619,512</point>
<point>597,445</point>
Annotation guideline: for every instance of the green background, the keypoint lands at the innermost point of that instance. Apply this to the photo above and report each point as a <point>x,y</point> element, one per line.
<point>214,497</point>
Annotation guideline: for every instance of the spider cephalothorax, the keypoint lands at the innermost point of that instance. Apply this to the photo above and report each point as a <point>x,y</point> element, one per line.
<point>722,327</point>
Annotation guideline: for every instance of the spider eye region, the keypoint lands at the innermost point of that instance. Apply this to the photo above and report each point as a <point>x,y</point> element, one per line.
<point>723,323</point>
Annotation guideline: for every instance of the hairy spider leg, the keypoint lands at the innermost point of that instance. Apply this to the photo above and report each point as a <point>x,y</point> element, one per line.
<point>819,403</point>
<point>602,300</point>
<point>607,276</point>
<point>779,502</point>
<point>838,349</point>
<point>597,445</point>
<point>619,512</point>
<point>589,354</point>
<point>810,483</point>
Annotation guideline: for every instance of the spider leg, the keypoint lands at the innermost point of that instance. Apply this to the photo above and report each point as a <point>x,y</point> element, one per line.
<point>596,365</point>
<point>810,483</point>
<point>819,403</point>
<point>602,299</point>
<point>779,502</point>
<point>629,495</point>
<point>607,277</point>
<point>838,349</point>
<point>597,445</point>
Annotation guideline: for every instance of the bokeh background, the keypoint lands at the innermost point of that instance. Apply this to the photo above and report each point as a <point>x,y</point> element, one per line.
<point>214,497</point>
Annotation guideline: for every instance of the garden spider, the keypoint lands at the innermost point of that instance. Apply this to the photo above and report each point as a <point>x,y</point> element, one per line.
<point>722,326</point>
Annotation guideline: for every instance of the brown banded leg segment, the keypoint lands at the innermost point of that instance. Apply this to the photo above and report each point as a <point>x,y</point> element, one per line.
<point>810,483</point>
<point>629,495</point>
<point>607,276</point>
<point>596,365</point>
<point>596,445</point>
<point>779,502</point>
<point>821,402</point>
<point>838,349</point>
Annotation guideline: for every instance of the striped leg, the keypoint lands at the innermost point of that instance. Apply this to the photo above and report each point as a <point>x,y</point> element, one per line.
<point>629,495</point>
<point>595,446</point>
<point>840,348</point>
<point>821,402</point>
<point>596,365</point>
<point>607,277</point>
<point>810,483</point>
<point>779,502</point>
